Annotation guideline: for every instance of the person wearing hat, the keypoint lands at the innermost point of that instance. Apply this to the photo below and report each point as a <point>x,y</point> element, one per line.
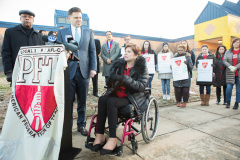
<point>16,37</point>
<point>165,77</point>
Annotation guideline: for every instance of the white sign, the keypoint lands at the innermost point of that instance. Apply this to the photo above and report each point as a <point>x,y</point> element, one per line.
<point>150,63</point>
<point>164,63</point>
<point>33,125</point>
<point>179,68</point>
<point>205,70</point>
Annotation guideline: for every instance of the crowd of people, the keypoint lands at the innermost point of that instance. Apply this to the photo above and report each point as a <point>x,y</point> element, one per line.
<point>125,70</point>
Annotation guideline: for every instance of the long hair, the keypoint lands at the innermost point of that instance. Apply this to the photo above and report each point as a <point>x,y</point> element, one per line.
<point>188,48</point>
<point>235,40</point>
<point>149,47</point>
<point>217,52</point>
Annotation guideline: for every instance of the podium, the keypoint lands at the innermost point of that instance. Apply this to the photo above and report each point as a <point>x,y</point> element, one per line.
<point>67,152</point>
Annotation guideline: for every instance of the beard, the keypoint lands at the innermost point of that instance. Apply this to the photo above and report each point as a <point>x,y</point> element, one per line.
<point>27,25</point>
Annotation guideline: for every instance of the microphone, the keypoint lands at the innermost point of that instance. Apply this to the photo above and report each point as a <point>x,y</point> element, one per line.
<point>53,39</point>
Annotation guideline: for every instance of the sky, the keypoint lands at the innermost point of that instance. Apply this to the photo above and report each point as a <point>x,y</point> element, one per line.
<point>156,18</point>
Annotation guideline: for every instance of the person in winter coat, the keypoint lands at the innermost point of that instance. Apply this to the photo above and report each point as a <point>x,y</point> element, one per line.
<point>220,74</point>
<point>165,77</point>
<point>181,87</point>
<point>128,78</point>
<point>146,49</point>
<point>206,54</point>
<point>232,62</point>
<point>109,54</point>
<point>17,37</point>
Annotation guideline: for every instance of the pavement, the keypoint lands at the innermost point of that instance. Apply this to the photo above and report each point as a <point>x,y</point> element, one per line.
<point>192,133</point>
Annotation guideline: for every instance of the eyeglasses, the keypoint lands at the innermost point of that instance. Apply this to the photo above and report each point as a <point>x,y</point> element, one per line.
<point>25,17</point>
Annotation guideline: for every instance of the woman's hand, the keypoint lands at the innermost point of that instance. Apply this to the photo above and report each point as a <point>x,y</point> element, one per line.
<point>116,77</point>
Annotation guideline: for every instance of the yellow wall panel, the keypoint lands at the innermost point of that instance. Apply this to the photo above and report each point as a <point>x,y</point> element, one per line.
<point>234,25</point>
<point>211,29</point>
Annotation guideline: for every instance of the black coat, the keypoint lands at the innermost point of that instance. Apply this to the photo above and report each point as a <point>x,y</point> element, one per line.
<point>98,50</point>
<point>220,75</point>
<point>134,84</point>
<point>15,38</point>
<point>210,56</point>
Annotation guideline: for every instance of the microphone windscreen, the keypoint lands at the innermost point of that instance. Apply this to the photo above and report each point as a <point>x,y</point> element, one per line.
<point>45,38</point>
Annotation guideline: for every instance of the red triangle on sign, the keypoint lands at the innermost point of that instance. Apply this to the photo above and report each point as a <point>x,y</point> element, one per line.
<point>178,62</point>
<point>164,57</point>
<point>205,64</point>
<point>148,59</point>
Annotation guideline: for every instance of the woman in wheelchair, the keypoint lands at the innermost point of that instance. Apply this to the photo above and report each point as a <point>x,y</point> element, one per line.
<point>128,79</point>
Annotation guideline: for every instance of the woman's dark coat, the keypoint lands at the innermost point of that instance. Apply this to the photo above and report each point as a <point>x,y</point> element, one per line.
<point>220,75</point>
<point>134,84</point>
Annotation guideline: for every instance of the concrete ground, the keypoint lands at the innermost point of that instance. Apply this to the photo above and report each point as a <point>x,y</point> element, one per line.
<point>195,132</point>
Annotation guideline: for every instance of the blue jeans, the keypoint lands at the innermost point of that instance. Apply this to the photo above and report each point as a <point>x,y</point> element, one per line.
<point>150,80</point>
<point>208,88</point>
<point>229,90</point>
<point>166,84</point>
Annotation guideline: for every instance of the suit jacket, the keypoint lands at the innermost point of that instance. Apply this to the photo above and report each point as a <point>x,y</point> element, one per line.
<point>15,38</point>
<point>98,51</point>
<point>86,52</point>
<point>114,52</point>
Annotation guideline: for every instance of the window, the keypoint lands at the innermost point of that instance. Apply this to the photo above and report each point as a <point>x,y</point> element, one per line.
<point>68,22</point>
<point>85,23</point>
<point>61,20</point>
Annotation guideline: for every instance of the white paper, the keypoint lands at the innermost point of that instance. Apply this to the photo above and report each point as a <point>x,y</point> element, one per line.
<point>205,70</point>
<point>179,68</point>
<point>164,63</point>
<point>150,63</point>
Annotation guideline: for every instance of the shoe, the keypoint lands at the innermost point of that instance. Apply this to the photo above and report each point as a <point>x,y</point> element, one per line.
<point>178,104</point>
<point>109,152</point>
<point>96,95</point>
<point>98,147</point>
<point>168,97</point>
<point>218,101</point>
<point>235,106</point>
<point>164,96</point>
<point>224,103</point>
<point>184,104</point>
<point>207,98</point>
<point>228,104</point>
<point>202,96</point>
<point>83,131</point>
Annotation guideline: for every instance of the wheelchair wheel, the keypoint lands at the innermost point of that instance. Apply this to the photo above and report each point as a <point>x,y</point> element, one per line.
<point>134,143</point>
<point>149,121</point>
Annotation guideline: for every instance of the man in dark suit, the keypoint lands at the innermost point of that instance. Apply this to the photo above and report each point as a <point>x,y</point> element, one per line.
<point>16,37</point>
<point>95,78</point>
<point>80,72</point>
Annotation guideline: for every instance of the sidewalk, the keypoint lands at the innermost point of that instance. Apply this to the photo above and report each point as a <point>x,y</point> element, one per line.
<point>195,132</point>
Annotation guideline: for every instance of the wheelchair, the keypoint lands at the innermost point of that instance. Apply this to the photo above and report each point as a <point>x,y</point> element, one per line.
<point>127,117</point>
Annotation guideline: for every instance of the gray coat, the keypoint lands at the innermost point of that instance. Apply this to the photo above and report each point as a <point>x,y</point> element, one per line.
<point>165,75</point>
<point>227,60</point>
<point>186,82</point>
<point>105,55</point>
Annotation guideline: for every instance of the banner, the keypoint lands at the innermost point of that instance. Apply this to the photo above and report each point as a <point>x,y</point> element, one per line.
<point>205,70</point>
<point>33,125</point>
<point>179,68</point>
<point>150,63</point>
<point>164,63</point>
